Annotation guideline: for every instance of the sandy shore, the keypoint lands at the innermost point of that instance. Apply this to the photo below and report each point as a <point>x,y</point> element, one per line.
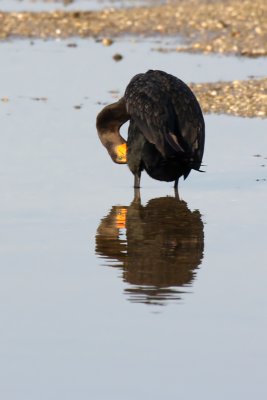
<point>229,26</point>
<point>241,98</point>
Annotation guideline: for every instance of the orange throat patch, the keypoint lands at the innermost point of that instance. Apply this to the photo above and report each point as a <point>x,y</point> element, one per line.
<point>121,151</point>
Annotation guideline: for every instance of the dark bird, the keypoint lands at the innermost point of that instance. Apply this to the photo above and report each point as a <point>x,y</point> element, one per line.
<point>166,132</point>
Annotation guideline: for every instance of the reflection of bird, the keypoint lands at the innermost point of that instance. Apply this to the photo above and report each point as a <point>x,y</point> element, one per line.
<point>158,247</point>
<point>166,132</point>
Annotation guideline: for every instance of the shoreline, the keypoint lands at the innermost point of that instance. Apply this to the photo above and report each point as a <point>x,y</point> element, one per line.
<point>236,27</point>
<point>227,27</point>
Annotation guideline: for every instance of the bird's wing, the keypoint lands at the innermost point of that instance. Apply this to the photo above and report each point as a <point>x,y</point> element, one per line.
<point>190,120</point>
<point>190,125</point>
<point>150,106</point>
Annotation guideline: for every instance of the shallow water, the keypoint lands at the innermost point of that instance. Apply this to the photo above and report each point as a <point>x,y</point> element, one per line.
<point>46,5</point>
<point>104,296</point>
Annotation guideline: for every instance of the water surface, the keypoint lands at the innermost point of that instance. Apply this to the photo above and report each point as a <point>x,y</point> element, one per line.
<point>107,296</point>
<point>84,5</point>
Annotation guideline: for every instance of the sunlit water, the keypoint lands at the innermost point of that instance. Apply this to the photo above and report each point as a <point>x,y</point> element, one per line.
<point>107,296</point>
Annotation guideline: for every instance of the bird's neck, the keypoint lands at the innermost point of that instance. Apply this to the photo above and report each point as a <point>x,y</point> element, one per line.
<point>108,124</point>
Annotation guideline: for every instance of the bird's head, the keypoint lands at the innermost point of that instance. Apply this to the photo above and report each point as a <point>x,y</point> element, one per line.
<point>116,147</point>
<point>108,124</point>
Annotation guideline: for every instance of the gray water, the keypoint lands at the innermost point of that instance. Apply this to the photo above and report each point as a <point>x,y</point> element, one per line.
<point>50,5</point>
<point>91,308</point>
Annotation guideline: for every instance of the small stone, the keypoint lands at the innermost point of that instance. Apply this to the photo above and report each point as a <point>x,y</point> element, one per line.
<point>39,98</point>
<point>72,45</point>
<point>117,57</point>
<point>107,41</point>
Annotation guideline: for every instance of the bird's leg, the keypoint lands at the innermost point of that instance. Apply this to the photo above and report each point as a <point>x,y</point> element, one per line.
<point>137,178</point>
<point>176,194</point>
<point>137,196</point>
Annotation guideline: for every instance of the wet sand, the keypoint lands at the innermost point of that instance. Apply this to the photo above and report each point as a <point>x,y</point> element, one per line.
<point>241,98</point>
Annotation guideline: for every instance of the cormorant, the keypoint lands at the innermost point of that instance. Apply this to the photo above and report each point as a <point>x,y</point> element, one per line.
<point>166,132</point>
